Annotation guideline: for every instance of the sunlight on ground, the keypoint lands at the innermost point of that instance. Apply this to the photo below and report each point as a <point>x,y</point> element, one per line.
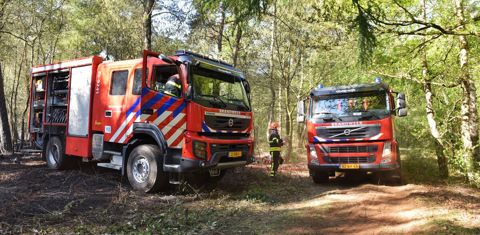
<point>375,209</point>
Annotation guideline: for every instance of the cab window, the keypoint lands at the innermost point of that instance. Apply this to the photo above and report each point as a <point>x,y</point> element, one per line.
<point>137,82</point>
<point>160,76</point>
<point>118,85</point>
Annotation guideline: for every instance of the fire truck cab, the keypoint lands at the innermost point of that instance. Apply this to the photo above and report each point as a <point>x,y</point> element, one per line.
<point>351,129</point>
<point>124,116</point>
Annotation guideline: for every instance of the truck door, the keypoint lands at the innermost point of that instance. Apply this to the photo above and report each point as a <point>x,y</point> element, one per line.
<point>116,114</point>
<point>163,108</point>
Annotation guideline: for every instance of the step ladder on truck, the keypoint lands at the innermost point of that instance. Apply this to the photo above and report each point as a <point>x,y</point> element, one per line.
<point>119,115</point>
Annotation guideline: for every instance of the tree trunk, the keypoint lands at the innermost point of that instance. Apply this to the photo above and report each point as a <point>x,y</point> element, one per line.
<point>5,134</point>
<point>24,115</point>
<point>221,27</point>
<point>13,118</point>
<point>469,125</point>
<point>430,113</point>
<point>272,116</point>
<point>147,23</point>
<point>432,123</point>
<point>288,124</point>
<point>238,39</point>
<point>279,101</point>
<point>301,126</point>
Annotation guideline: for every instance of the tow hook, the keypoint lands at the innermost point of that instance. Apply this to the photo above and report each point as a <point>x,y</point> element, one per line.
<point>214,172</point>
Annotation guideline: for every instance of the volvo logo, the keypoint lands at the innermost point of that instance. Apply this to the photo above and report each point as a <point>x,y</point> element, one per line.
<point>347,132</point>
<point>230,122</point>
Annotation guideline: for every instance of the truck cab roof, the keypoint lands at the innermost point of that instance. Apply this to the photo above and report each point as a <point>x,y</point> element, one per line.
<point>334,90</point>
<point>208,63</point>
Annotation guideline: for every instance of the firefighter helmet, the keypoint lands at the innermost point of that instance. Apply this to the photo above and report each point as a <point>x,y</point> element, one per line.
<point>273,125</point>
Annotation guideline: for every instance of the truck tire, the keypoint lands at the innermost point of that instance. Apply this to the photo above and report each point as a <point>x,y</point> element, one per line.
<point>145,169</point>
<point>319,177</point>
<point>55,154</point>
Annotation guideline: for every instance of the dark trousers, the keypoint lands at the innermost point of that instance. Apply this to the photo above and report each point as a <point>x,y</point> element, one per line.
<point>275,162</point>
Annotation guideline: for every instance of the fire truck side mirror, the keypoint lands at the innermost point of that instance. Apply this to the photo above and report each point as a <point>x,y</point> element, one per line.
<point>189,93</point>
<point>401,105</point>
<point>300,111</point>
<point>247,86</point>
<point>402,112</point>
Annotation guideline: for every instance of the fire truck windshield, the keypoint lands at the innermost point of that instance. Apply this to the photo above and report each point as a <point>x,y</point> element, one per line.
<point>219,90</point>
<point>350,107</point>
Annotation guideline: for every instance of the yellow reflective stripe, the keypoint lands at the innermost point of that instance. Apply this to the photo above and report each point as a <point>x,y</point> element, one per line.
<point>169,93</point>
<point>274,140</point>
<point>275,148</point>
<point>174,84</point>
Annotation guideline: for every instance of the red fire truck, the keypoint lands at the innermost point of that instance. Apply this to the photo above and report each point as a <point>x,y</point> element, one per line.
<point>119,115</point>
<point>351,129</point>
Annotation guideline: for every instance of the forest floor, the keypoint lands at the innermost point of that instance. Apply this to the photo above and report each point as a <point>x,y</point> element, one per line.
<point>90,200</point>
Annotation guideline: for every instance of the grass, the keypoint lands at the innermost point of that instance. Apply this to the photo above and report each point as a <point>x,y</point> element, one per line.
<point>248,201</point>
<point>451,226</point>
<point>419,167</point>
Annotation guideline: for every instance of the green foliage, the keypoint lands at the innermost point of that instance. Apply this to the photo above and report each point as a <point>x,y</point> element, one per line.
<point>243,9</point>
<point>258,195</point>
<point>366,37</point>
<point>114,27</point>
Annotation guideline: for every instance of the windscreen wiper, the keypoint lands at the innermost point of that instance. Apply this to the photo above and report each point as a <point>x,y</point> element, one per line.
<point>219,99</point>
<point>241,104</point>
<point>372,114</point>
<point>332,115</point>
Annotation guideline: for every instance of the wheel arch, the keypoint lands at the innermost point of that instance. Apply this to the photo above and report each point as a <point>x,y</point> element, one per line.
<point>143,133</point>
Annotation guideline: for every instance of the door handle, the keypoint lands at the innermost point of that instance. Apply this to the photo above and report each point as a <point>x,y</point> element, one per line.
<point>147,111</point>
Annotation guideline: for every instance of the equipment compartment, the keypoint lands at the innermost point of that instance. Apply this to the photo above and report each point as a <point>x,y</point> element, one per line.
<point>57,100</point>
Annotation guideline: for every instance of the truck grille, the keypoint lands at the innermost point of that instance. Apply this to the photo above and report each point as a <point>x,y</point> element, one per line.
<point>227,136</point>
<point>360,131</point>
<point>227,123</point>
<point>351,159</point>
<point>352,149</point>
<point>225,148</point>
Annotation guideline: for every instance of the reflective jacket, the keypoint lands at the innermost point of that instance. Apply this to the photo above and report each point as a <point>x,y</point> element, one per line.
<point>275,142</point>
<point>173,86</point>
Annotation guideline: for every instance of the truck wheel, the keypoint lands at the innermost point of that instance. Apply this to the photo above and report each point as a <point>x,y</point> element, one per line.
<point>319,177</point>
<point>393,177</point>
<point>55,154</point>
<point>144,169</point>
<point>396,176</point>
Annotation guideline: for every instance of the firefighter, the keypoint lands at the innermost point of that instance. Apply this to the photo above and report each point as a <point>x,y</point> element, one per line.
<point>275,147</point>
<point>365,104</point>
<point>173,86</point>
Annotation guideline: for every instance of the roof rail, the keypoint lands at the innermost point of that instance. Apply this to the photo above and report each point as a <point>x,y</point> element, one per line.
<point>185,52</point>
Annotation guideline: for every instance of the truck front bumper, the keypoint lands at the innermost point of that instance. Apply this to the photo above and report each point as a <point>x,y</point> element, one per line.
<point>217,151</point>
<point>372,167</point>
<point>192,165</point>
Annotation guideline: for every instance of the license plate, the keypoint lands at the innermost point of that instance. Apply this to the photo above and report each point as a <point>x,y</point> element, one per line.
<point>349,166</point>
<point>235,154</point>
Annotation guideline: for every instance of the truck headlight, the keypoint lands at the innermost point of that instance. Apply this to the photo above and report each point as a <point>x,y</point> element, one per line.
<point>200,149</point>
<point>387,152</point>
<point>313,155</point>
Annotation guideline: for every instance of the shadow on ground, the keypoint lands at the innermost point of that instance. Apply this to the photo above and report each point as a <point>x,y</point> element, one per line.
<point>95,200</point>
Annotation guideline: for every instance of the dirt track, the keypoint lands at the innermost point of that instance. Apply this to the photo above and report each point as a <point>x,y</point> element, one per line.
<point>94,200</point>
